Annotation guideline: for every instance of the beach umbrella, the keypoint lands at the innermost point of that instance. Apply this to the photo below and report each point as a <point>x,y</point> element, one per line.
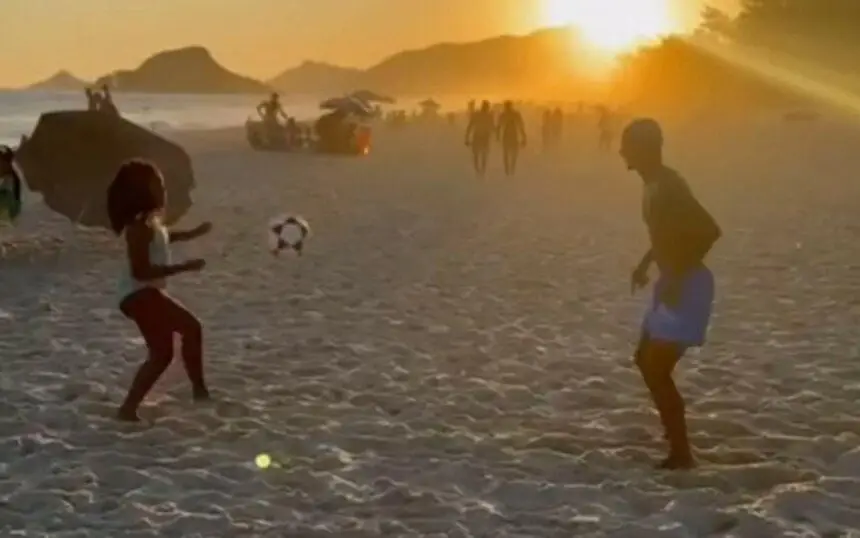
<point>72,156</point>
<point>350,105</point>
<point>372,97</point>
<point>429,104</point>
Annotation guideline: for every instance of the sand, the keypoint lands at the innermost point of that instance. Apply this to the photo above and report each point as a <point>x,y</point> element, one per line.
<point>451,356</point>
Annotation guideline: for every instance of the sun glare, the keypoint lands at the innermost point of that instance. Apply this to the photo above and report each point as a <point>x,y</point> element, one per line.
<point>612,26</point>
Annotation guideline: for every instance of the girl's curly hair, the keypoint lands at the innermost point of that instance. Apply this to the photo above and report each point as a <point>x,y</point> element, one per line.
<point>132,193</point>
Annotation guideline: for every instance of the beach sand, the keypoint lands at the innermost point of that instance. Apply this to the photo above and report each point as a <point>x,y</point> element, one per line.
<point>451,356</point>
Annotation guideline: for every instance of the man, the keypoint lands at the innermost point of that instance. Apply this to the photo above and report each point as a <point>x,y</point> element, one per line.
<point>681,233</point>
<point>270,110</point>
<point>512,133</point>
<point>107,105</point>
<point>478,134</point>
<point>10,186</point>
<point>94,100</point>
<point>604,127</point>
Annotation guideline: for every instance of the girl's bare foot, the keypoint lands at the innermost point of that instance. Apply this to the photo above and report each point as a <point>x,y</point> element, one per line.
<point>677,462</point>
<point>127,415</point>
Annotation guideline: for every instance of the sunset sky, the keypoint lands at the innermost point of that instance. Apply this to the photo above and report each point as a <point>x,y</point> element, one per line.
<point>260,38</point>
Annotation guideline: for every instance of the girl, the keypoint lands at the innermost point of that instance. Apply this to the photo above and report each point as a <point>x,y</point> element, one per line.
<point>135,202</point>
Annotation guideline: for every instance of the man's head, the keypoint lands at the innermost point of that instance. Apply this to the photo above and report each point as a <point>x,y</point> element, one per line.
<point>485,106</point>
<point>275,97</point>
<point>509,105</point>
<point>642,144</point>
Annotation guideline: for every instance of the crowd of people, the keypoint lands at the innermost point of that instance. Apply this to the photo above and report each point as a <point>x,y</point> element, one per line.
<point>508,128</point>
<point>101,101</point>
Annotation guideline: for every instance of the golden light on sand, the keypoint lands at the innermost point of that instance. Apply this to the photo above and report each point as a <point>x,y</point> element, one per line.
<point>263,461</point>
<point>612,26</point>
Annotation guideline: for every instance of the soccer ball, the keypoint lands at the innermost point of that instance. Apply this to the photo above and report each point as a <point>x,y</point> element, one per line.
<point>288,232</point>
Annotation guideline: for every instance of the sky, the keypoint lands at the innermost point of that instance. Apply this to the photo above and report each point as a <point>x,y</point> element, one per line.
<point>259,38</point>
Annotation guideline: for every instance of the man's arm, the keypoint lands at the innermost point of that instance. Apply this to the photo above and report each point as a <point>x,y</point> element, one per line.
<point>645,262</point>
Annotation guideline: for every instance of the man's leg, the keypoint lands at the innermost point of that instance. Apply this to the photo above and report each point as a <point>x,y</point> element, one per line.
<point>658,362</point>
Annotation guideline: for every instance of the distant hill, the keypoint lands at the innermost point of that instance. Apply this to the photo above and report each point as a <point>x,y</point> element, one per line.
<point>186,70</point>
<point>317,78</point>
<point>61,81</point>
<point>506,63</point>
<point>511,64</point>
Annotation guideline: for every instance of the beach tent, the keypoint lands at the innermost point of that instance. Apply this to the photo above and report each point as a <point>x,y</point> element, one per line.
<point>429,107</point>
<point>350,105</point>
<point>368,96</point>
<point>72,156</point>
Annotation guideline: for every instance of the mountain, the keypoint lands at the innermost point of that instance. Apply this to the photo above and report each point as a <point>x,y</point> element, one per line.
<point>519,65</point>
<point>317,78</point>
<point>61,81</point>
<point>185,70</point>
<point>505,63</point>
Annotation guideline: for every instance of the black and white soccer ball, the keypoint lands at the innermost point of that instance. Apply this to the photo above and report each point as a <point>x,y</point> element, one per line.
<point>288,232</point>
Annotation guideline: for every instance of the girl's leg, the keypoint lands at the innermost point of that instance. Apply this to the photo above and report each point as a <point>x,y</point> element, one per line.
<point>145,308</point>
<point>190,330</point>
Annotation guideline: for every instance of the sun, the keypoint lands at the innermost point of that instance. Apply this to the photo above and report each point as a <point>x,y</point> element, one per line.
<point>611,26</point>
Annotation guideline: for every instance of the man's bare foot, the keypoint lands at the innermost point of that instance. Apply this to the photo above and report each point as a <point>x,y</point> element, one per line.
<point>677,462</point>
<point>127,415</point>
<point>201,395</point>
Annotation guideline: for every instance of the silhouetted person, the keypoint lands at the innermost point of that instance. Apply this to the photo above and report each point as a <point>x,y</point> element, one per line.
<point>681,234</point>
<point>512,134</point>
<point>546,129</point>
<point>94,100</point>
<point>10,186</point>
<point>270,111</point>
<point>604,126</point>
<point>479,131</point>
<point>294,134</point>
<point>107,105</point>
<point>557,126</point>
<point>92,104</point>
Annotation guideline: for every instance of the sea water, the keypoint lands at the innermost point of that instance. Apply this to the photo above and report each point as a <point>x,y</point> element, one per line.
<point>20,110</point>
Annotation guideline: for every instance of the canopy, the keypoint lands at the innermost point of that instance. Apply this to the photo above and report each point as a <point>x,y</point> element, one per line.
<point>350,105</point>
<point>72,156</point>
<point>372,97</point>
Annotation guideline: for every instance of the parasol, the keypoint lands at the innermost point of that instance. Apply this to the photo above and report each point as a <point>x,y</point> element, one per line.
<point>350,105</point>
<point>429,104</point>
<point>368,96</point>
<point>72,157</point>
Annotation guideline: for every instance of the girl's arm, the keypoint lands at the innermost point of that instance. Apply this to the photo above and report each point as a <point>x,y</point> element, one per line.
<point>138,237</point>
<point>188,235</point>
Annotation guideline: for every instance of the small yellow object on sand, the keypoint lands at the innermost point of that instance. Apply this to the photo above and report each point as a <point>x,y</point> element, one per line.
<point>263,461</point>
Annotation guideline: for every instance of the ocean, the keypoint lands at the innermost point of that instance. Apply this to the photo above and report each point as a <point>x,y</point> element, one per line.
<point>20,110</point>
